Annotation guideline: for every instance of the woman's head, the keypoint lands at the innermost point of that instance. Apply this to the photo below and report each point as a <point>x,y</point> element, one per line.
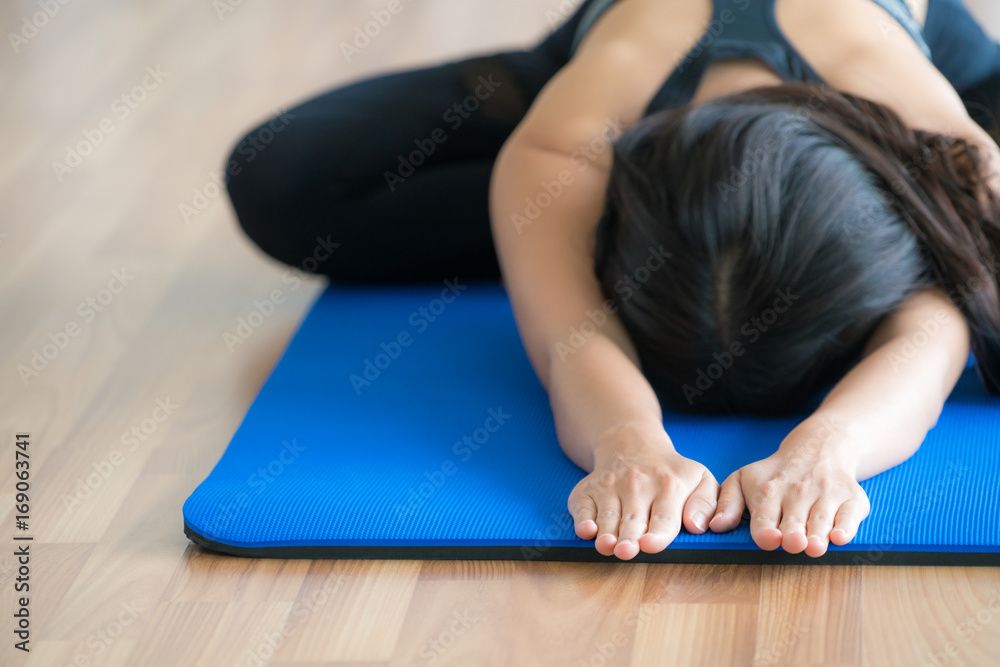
<point>794,219</point>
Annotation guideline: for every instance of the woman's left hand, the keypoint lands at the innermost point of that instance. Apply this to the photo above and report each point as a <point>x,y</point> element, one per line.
<point>800,498</point>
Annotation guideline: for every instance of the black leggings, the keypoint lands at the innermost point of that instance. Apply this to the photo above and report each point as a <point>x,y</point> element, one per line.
<point>387,178</point>
<point>395,168</point>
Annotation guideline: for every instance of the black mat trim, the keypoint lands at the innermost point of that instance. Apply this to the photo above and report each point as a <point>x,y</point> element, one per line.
<point>577,554</point>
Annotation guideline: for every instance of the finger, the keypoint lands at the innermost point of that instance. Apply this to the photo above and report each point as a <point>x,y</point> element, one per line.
<point>798,499</point>
<point>819,525</point>
<point>664,519</point>
<point>730,506</point>
<point>765,512</point>
<point>701,504</point>
<point>636,492</point>
<point>608,516</point>
<point>583,508</point>
<point>849,517</point>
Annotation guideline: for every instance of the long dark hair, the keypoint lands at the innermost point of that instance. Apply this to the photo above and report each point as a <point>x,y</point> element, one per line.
<point>793,219</point>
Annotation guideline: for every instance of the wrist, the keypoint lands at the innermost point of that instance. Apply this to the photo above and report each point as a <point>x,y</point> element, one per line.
<point>827,437</point>
<point>631,437</point>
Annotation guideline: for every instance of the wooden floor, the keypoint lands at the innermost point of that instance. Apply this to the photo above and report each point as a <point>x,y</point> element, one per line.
<point>113,579</point>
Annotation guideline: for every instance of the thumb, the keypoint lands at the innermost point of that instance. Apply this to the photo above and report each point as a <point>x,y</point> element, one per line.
<point>700,504</point>
<point>730,507</point>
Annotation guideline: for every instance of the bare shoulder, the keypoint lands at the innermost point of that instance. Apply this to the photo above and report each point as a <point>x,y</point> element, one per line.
<point>856,46</point>
<point>618,67</point>
<point>860,49</point>
<point>825,33</point>
<point>658,21</point>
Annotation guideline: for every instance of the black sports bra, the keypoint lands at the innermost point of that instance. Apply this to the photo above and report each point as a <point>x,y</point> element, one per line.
<point>740,29</point>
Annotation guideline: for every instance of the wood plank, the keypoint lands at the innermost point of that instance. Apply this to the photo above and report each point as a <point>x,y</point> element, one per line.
<point>564,613</point>
<point>694,634</point>
<point>928,615</point>
<point>811,614</point>
<point>123,548</point>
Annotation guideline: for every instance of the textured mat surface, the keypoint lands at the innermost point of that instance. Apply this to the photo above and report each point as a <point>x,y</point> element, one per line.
<point>406,422</point>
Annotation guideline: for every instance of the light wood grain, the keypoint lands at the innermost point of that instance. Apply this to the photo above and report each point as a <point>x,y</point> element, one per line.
<point>114,580</point>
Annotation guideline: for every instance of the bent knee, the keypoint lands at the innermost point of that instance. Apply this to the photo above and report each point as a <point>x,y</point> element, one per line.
<point>270,189</point>
<point>252,180</point>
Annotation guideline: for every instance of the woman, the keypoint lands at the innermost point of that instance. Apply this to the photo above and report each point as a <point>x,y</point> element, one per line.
<point>745,203</point>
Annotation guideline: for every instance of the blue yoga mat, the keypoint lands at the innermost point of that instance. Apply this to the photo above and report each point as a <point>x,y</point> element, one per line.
<point>406,422</point>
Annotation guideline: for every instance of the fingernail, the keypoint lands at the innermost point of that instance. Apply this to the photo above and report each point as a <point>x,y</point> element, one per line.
<point>699,520</point>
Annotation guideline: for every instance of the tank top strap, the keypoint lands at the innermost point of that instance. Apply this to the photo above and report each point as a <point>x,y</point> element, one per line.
<point>756,18</point>
<point>742,29</point>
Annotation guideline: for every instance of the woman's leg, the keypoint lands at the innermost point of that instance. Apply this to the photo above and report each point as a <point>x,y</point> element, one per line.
<point>395,168</point>
<point>967,56</point>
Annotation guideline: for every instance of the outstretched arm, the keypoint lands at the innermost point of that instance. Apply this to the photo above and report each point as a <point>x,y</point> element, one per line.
<point>546,196</point>
<point>806,494</point>
<point>886,66</point>
<point>894,396</point>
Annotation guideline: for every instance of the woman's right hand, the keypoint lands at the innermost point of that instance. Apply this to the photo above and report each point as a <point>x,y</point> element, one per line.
<point>639,492</point>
